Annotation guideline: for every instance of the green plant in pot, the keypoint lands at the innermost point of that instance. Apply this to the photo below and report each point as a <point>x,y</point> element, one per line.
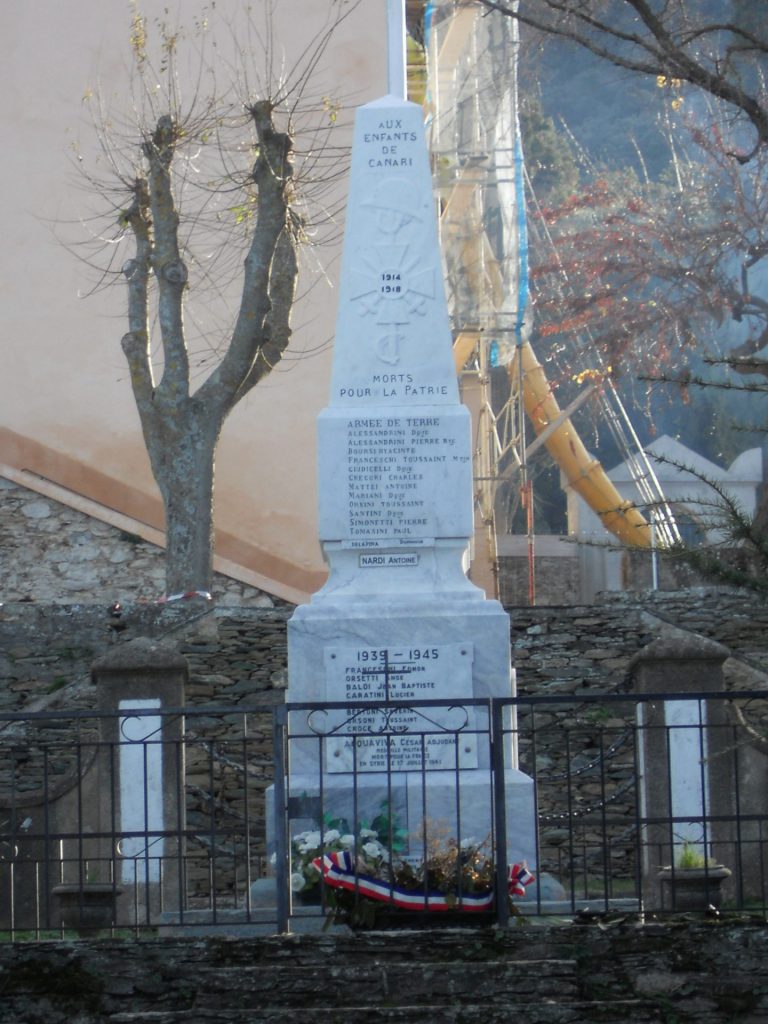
<point>694,882</point>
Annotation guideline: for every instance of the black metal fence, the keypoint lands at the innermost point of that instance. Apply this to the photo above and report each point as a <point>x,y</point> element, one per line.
<point>142,819</point>
<point>648,804</point>
<point>210,819</point>
<point>642,799</point>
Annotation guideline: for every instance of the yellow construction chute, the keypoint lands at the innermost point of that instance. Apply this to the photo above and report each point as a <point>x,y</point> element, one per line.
<point>584,473</point>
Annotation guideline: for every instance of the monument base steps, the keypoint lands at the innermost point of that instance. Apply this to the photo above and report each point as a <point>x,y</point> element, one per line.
<point>611,972</point>
<point>335,979</point>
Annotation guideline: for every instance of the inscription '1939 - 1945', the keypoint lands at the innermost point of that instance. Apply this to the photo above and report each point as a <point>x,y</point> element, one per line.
<point>434,739</point>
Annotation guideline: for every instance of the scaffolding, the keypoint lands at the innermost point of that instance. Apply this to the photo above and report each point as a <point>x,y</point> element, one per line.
<point>471,108</point>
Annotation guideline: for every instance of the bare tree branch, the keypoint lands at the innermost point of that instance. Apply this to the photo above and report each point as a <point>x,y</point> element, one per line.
<point>272,175</point>
<point>211,211</point>
<point>169,269</point>
<point>665,43</point>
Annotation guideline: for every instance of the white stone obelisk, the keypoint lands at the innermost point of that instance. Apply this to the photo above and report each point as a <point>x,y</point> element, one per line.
<point>395,497</point>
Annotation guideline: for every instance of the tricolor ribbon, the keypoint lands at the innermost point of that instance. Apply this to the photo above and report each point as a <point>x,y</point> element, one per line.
<point>338,871</point>
<point>519,877</point>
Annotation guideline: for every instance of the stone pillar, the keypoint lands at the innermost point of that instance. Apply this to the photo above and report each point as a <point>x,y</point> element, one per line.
<point>686,756</point>
<point>138,794</point>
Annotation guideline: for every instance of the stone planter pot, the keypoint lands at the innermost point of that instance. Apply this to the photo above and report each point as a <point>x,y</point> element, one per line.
<point>694,889</point>
<point>87,908</point>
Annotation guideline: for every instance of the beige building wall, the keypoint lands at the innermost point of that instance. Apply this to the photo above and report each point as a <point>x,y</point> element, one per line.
<point>68,426</point>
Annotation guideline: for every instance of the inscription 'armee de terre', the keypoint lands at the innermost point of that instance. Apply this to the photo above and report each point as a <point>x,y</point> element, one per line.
<point>390,464</point>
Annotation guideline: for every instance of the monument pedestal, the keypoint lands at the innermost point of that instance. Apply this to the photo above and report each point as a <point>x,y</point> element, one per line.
<point>460,647</point>
<point>446,650</point>
<point>432,805</point>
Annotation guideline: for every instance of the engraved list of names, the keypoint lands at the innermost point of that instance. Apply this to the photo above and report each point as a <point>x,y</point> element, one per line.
<point>374,739</point>
<point>393,468</point>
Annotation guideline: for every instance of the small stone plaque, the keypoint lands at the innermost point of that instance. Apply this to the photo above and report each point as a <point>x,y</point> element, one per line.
<point>389,560</point>
<point>406,739</point>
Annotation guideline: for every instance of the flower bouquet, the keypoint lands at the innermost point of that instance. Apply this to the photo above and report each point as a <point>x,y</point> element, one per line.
<point>356,875</point>
<point>366,852</point>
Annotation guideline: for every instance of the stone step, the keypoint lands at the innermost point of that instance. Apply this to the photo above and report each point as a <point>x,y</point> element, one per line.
<point>582,1012</point>
<point>342,984</point>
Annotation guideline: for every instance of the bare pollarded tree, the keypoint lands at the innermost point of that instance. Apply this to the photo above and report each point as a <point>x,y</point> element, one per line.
<point>212,197</point>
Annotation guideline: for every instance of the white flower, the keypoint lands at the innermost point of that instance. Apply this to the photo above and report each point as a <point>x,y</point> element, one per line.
<point>368,833</point>
<point>297,881</point>
<point>347,841</point>
<point>373,850</point>
<point>307,841</point>
<point>331,836</point>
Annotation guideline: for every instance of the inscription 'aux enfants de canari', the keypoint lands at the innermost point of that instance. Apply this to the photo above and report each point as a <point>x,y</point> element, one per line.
<point>390,136</point>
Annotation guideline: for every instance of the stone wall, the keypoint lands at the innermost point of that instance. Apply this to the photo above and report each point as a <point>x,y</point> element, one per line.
<point>558,580</point>
<point>581,651</point>
<point>46,654</point>
<point>568,571</point>
<point>613,972</point>
<point>46,649</point>
<point>736,618</point>
<point>52,553</point>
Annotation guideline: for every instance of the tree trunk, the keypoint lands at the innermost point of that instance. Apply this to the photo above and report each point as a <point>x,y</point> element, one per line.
<point>181,430</point>
<point>184,470</point>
